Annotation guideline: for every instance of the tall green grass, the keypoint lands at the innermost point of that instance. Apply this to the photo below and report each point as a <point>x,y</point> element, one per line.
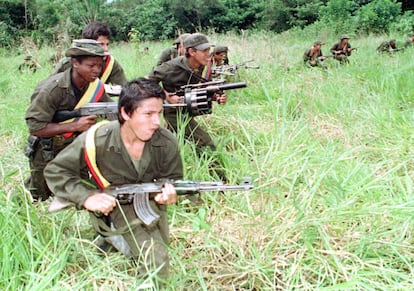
<point>330,153</point>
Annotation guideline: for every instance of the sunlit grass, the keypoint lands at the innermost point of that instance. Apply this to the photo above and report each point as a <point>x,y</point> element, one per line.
<point>329,152</point>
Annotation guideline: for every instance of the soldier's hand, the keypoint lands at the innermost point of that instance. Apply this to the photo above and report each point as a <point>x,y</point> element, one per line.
<point>168,195</point>
<point>100,202</point>
<point>84,122</point>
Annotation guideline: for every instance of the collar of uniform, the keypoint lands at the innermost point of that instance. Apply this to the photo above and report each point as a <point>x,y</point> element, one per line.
<point>64,82</point>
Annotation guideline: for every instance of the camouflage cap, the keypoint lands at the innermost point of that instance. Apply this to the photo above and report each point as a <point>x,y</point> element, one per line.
<point>85,47</point>
<point>318,42</point>
<point>181,38</point>
<point>220,49</point>
<point>344,36</point>
<point>393,40</point>
<point>197,41</point>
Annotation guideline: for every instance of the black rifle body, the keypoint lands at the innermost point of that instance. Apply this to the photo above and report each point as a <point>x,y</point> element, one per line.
<point>140,194</point>
<point>196,100</point>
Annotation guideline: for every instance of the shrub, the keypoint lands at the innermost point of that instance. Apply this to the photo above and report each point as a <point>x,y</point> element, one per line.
<point>378,16</point>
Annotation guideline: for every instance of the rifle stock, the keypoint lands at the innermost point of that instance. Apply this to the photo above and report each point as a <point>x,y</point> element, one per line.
<point>140,194</point>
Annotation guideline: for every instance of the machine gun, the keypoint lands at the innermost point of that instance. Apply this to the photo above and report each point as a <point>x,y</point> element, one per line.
<point>197,100</point>
<point>140,194</point>
<point>230,70</point>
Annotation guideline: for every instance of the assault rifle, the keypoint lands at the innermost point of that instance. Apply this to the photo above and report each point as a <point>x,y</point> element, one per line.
<point>140,194</point>
<point>230,70</point>
<point>197,100</point>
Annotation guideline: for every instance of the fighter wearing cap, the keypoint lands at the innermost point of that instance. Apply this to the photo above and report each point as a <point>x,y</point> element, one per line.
<point>313,56</point>
<point>174,51</point>
<point>181,71</point>
<point>342,49</point>
<point>112,72</point>
<point>64,91</point>
<point>388,47</point>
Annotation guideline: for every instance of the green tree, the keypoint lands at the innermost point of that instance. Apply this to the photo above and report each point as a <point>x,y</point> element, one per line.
<point>338,15</point>
<point>378,16</point>
<point>151,20</point>
<point>280,15</point>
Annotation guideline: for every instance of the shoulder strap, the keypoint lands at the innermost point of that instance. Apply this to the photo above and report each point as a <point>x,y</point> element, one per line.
<point>107,70</point>
<point>94,93</point>
<point>90,155</point>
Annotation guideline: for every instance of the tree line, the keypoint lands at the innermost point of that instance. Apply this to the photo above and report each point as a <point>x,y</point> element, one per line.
<point>48,20</point>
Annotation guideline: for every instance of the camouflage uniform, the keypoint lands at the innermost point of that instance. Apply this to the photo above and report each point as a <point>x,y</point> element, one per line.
<point>387,47</point>
<point>174,74</point>
<point>167,55</point>
<point>53,94</point>
<point>171,53</point>
<point>160,159</point>
<point>312,55</point>
<point>343,56</point>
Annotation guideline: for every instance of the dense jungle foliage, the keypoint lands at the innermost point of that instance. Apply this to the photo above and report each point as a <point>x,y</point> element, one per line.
<point>47,21</point>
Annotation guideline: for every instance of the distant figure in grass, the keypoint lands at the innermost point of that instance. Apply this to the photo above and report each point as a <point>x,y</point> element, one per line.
<point>63,91</point>
<point>313,56</point>
<point>219,57</point>
<point>175,51</point>
<point>388,47</point>
<point>409,42</point>
<point>131,150</point>
<point>112,71</point>
<point>342,50</point>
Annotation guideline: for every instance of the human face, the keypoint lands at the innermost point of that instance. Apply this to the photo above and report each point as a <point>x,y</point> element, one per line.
<point>87,70</point>
<point>200,57</point>
<point>144,121</point>
<point>218,57</point>
<point>104,42</point>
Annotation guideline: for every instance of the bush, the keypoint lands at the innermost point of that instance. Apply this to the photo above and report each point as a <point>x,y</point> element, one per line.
<point>404,24</point>
<point>338,15</point>
<point>378,16</point>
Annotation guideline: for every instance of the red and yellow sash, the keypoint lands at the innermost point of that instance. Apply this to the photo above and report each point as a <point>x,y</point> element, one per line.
<point>94,93</point>
<point>206,74</point>
<point>107,69</point>
<point>90,155</point>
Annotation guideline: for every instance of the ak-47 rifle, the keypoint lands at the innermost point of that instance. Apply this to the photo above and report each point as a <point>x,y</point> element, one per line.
<point>231,69</point>
<point>140,194</point>
<point>196,100</point>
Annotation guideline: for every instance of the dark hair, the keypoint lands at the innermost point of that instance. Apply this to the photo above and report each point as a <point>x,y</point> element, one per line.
<point>134,92</point>
<point>96,29</point>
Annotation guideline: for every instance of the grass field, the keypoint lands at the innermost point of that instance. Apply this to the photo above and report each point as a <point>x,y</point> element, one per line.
<point>330,153</point>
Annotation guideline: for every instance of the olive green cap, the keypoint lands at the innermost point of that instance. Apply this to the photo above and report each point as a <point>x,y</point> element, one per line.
<point>220,49</point>
<point>181,38</point>
<point>197,41</point>
<point>85,47</point>
<point>344,36</point>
